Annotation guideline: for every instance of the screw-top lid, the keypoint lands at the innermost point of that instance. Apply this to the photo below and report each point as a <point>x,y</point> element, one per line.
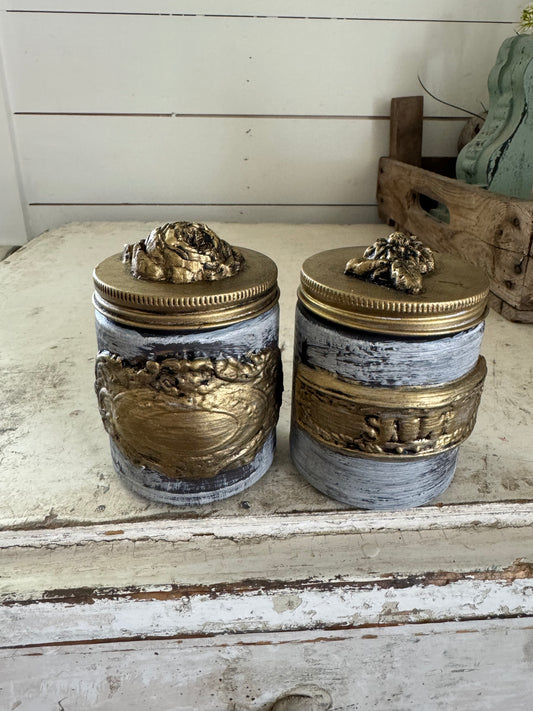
<point>395,286</point>
<point>184,276</point>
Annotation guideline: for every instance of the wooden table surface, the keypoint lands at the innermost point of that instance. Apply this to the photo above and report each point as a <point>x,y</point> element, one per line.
<point>59,489</point>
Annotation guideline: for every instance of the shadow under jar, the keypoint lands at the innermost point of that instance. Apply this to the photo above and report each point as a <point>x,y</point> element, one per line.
<point>387,372</point>
<point>188,372</point>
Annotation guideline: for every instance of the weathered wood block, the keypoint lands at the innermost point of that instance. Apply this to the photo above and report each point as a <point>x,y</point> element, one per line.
<point>486,229</point>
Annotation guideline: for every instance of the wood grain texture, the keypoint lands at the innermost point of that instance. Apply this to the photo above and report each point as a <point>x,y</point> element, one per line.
<point>509,312</point>
<point>261,550</point>
<point>169,610</point>
<point>406,119</point>
<point>456,665</point>
<point>486,229</point>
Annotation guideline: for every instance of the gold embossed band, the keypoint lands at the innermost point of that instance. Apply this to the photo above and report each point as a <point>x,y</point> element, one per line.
<point>400,422</point>
<point>190,419</point>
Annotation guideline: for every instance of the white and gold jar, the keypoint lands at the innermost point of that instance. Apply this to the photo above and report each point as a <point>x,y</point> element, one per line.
<point>188,372</point>
<point>387,376</point>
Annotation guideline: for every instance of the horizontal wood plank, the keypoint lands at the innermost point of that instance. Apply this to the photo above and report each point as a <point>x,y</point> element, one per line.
<point>165,611</point>
<point>275,549</point>
<point>216,65</point>
<point>481,665</point>
<point>209,161</point>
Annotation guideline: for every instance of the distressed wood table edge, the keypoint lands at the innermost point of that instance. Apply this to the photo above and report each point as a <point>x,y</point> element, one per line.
<point>46,552</point>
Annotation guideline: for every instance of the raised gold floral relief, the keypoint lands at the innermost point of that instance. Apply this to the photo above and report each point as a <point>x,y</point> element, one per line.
<point>398,261</point>
<point>354,418</point>
<point>190,419</point>
<point>182,252</point>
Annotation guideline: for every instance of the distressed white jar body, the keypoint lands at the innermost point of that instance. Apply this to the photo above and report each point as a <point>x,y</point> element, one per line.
<point>188,372</point>
<point>377,361</point>
<point>387,372</point>
<point>241,343</point>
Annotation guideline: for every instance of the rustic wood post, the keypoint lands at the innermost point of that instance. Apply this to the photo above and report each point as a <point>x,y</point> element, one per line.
<point>406,116</point>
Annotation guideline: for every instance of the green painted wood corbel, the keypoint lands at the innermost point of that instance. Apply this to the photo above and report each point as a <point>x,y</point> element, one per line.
<point>501,155</point>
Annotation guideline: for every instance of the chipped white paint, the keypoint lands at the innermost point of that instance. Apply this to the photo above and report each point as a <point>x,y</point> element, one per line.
<point>373,359</point>
<point>265,549</point>
<point>387,483</point>
<point>167,612</point>
<point>411,667</point>
<point>236,340</point>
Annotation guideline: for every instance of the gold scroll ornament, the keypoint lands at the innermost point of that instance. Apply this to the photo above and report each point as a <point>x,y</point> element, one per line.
<point>190,419</point>
<point>405,421</point>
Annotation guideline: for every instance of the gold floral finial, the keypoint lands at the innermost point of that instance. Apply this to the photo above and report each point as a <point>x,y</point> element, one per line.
<point>397,261</point>
<point>181,252</point>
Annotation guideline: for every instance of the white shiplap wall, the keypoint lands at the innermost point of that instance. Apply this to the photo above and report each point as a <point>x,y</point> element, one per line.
<point>241,110</point>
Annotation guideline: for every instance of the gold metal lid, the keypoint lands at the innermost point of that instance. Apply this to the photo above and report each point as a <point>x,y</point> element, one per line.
<point>183,276</point>
<point>395,286</point>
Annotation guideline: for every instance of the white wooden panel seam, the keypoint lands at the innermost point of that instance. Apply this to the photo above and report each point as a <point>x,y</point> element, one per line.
<point>174,114</point>
<point>202,204</point>
<point>486,10</point>
<point>251,16</point>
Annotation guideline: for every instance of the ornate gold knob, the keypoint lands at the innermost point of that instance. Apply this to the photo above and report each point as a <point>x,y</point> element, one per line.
<point>182,252</point>
<point>397,261</point>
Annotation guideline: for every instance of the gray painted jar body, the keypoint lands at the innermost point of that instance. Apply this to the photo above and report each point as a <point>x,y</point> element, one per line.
<point>377,362</point>
<point>206,378</point>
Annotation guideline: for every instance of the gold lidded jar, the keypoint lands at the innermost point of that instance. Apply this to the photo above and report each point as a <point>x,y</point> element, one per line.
<point>188,372</point>
<point>387,376</point>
